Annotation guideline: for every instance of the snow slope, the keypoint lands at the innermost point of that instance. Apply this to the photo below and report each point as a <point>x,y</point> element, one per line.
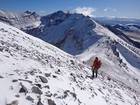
<point>34,72</point>
<point>118,51</point>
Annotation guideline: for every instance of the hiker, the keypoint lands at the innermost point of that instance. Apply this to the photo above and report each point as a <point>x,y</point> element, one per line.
<point>96,65</point>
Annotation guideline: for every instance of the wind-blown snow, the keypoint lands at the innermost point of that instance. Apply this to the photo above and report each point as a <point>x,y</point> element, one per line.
<point>24,60</point>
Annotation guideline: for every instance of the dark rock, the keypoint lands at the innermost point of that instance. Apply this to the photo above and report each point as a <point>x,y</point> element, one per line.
<point>55,94</point>
<point>47,86</point>
<point>39,85</point>
<point>15,80</point>
<point>72,93</point>
<point>51,102</point>
<point>1,76</point>
<point>58,71</point>
<point>43,79</point>
<point>51,66</point>
<point>17,96</point>
<point>72,62</point>
<point>23,89</point>
<point>54,76</point>
<point>39,102</point>
<point>48,94</point>
<point>11,74</point>
<point>32,72</point>
<point>29,98</point>
<point>47,74</point>
<point>15,102</point>
<point>109,78</point>
<point>36,90</point>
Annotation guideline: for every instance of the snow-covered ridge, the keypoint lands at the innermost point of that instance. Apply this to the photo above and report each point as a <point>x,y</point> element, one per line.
<point>26,20</point>
<point>35,72</point>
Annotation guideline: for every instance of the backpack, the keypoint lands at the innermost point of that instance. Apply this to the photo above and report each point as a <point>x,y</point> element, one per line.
<point>99,64</point>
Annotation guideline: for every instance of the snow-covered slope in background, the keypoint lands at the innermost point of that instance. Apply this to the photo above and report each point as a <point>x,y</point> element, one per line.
<point>130,28</point>
<point>26,20</point>
<point>35,72</point>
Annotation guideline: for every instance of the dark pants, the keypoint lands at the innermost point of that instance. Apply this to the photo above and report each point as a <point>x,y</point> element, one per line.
<point>94,70</point>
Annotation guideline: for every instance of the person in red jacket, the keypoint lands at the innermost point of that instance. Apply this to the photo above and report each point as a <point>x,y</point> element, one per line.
<point>96,65</point>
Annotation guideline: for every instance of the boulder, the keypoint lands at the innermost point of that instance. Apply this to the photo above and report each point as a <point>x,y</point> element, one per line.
<point>23,89</point>
<point>51,102</point>
<point>43,79</point>
<point>36,90</point>
<point>30,98</point>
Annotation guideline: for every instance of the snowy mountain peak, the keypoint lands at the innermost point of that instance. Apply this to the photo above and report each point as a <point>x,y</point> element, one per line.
<point>59,13</point>
<point>32,13</point>
<point>28,12</point>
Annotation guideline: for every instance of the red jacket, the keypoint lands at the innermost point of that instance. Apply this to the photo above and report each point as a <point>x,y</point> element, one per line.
<point>97,63</point>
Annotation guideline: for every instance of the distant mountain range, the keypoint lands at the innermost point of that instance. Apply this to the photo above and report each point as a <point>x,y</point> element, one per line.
<point>129,28</point>
<point>112,21</point>
<point>72,33</point>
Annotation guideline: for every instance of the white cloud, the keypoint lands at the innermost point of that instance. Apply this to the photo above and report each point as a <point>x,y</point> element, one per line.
<point>87,11</point>
<point>109,9</point>
<point>42,12</point>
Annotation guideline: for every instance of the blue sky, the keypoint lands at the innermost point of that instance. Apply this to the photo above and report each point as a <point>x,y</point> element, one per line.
<point>94,8</point>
